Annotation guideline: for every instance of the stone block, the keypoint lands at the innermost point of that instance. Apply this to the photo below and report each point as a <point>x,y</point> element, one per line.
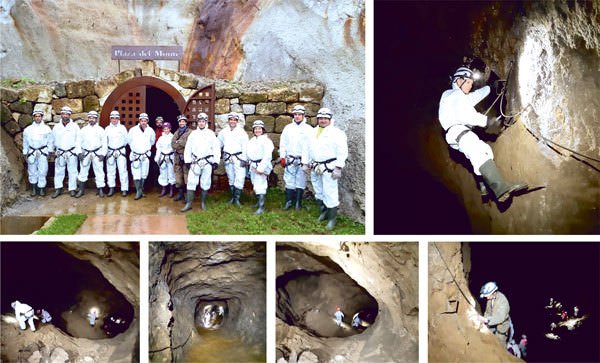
<point>104,87</point>
<point>188,81</point>
<point>91,103</point>
<point>222,105</point>
<point>25,120</point>
<point>271,108</point>
<point>227,91</point>
<point>311,93</point>
<point>5,114</point>
<point>234,100</point>
<point>281,122</point>
<point>275,138</point>
<point>22,107</point>
<point>124,76</point>
<point>236,108</point>
<point>283,94</point>
<point>75,104</point>
<point>268,120</point>
<point>168,75</point>
<point>79,89</point>
<point>37,93</point>
<point>254,97</point>
<point>148,68</point>
<point>248,109</point>
<point>8,95</point>
<point>12,127</point>
<point>60,90</point>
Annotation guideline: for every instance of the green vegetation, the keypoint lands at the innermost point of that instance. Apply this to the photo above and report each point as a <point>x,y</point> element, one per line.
<point>64,224</point>
<point>223,218</point>
<point>17,83</point>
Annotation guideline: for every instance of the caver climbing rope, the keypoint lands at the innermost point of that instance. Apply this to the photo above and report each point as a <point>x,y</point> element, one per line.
<point>451,275</point>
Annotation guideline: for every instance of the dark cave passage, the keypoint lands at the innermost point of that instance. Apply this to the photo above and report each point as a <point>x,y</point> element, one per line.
<point>44,276</point>
<point>568,272</point>
<point>311,289</point>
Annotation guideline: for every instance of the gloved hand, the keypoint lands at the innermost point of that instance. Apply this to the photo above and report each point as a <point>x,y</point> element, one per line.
<point>337,173</point>
<point>493,122</point>
<point>101,157</point>
<point>80,156</point>
<point>282,162</point>
<point>214,166</point>
<point>306,167</point>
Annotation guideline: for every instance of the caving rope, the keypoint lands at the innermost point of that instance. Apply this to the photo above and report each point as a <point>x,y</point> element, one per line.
<point>451,275</point>
<point>177,347</point>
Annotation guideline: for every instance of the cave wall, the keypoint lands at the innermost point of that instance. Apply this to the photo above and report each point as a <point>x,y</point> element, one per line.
<point>455,337</point>
<point>389,272</point>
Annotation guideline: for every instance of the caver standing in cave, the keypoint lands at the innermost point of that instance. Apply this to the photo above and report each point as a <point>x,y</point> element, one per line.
<point>497,310</point>
<point>140,139</point>
<point>458,116</point>
<point>339,315</point>
<point>294,139</point>
<point>116,157</point>
<point>259,151</point>
<point>178,144</point>
<point>92,147</point>
<point>164,159</point>
<point>24,313</point>
<point>233,141</point>
<point>37,141</point>
<point>202,153</point>
<point>326,156</point>
<point>92,316</point>
<point>65,135</point>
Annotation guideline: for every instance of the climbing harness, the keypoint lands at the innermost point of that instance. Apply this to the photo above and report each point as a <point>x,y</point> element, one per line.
<point>114,154</point>
<point>451,275</point>
<point>89,160</point>
<point>164,160</point>
<point>320,167</point>
<point>62,158</point>
<point>227,157</point>
<point>199,163</point>
<point>137,160</point>
<point>35,152</point>
<point>292,160</point>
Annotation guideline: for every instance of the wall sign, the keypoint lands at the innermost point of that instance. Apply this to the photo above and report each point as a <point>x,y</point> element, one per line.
<point>142,52</point>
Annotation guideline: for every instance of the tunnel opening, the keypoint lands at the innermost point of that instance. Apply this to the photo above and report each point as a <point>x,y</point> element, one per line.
<point>567,272</point>
<point>311,288</point>
<point>45,276</point>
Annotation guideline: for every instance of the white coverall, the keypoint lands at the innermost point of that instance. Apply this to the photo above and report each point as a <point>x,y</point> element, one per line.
<point>37,141</point>
<point>201,150</point>
<point>330,145</point>
<point>338,317</point>
<point>234,144</point>
<point>165,157</point>
<point>292,145</point>
<point>92,143</point>
<point>24,313</point>
<point>116,156</point>
<point>140,143</point>
<point>67,147</point>
<point>259,152</point>
<point>457,114</point>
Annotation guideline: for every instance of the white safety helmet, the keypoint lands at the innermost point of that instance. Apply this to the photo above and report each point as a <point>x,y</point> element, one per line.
<point>92,114</point>
<point>181,117</point>
<point>143,115</point>
<point>115,114</point>
<point>202,116</point>
<point>37,112</point>
<point>14,303</point>
<point>258,123</point>
<point>465,72</point>
<point>324,112</point>
<point>299,109</point>
<point>233,115</point>
<point>488,289</point>
<point>66,109</point>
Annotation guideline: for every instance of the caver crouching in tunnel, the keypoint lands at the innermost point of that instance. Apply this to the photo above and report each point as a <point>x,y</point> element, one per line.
<point>116,157</point>
<point>458,116</point>
<point>497,310</point>
<point>141,139</point>
<point>37,142</point>
<point>259,151</point>
<point>326,156</point>
<point>202,153</point>
<point>92,150</point>
<point>164,159</point>
<point>24,313</point>
<point>234,141</point>
<point>65,135</point>
<point>178,144</point>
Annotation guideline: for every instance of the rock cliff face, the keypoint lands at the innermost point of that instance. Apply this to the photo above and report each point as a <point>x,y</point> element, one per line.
<point>384,272</point>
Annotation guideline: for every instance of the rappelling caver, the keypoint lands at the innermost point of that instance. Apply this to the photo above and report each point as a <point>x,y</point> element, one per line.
<point>37,142</point>
<point>497,310</point>
<point>458,116</point>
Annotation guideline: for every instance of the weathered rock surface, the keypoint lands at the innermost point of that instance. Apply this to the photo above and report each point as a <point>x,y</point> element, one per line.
<point>10,176</point>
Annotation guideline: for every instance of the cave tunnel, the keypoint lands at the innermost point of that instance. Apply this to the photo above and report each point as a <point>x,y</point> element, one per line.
<point>551,52</point>
<point>311,290</point>
<point>531,273</point>
<point>46,276</point>
<point>207,301</point>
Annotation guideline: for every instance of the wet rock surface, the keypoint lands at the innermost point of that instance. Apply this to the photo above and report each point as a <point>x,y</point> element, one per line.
<point>187,277</point>
<point>386,271</point>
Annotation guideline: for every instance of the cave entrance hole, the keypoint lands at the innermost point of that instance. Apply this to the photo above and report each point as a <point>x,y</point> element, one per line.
<point>309,293</point>
<point>45,276</point>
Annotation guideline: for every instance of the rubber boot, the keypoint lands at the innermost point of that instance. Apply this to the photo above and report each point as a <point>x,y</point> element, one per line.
<point>189,198</point>
<point>33,190</point>
<point>138,189</point>
<point>322,210</point>
<point>232,191</point>
<point>171,190</point>
<point>261,204</point>
<point>203,199</point>
<point>236,196</point>
<point>299,193</point>
<point>72,193</point>
<point>57,192</point>
<point>331,217</point>
<point>179,195</point>
<point>111,191</point>
<point>289,198</point>
<point>124,193</point>
<point>101,192</point>
<point>142,186</point>
<point>502,190</point>
<point>81,190</point>
<point>41,192</point>
<point>163,192</point>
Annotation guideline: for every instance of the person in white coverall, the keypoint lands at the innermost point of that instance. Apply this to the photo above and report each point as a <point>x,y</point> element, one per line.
<point>140,139</point>
<point>92,146</point>
<point>24,313</point>
<point>202,152</point>
<point>116,156</point>
<point>37,143</point>
<point>260,153</point>
<point>292,145</point>
<point>164,158</point>
<point>458,116</point>
<point>327,154</point>
<point>233,141</point>
<point>65,135</point>
<point>339,316</point>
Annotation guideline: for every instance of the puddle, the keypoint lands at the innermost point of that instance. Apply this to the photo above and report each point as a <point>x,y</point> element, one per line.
<point>142,224</point>
<point>22,224</point>
<point>216,346</point>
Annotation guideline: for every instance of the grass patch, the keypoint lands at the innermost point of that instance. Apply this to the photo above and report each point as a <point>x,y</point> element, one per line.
<point>64,224</point>
<point>17,83</point>
<point>223,218</point>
